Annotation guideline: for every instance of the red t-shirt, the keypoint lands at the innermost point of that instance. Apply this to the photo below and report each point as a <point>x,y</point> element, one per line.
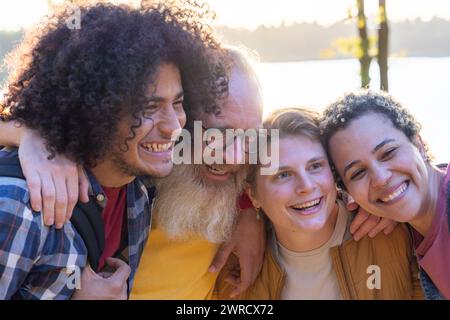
<point>113,220</point>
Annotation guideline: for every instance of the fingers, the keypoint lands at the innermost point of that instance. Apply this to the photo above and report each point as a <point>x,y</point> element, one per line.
<point>118,280</point>
<point>233,278</point>
<point>381,225</point>
<point>245,280</point>
<point>72,193</point>
<point>53,184</point>
<point>122,269</point>
<point>368,225</point>
<point>105,275</point>
<point>390,227</point>
<point>56,194</point>
<point>83,183</point>
<point>221,256</point>
<point>34,186</point>
<point>48,198</point>
<point>61,201</point>
<point>359,219</point>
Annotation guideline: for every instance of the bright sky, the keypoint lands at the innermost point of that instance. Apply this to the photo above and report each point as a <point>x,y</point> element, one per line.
<point>251,13</point>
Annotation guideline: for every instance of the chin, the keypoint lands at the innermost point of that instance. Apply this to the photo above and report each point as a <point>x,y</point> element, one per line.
<point>315,224</point>
<point>159,171</point>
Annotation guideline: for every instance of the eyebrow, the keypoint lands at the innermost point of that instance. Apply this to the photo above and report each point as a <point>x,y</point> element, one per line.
<point>283,168</point>
<point>161,99</point>
<point>221,128</point>
<point>309,161</point>
<point>316,159</point>
<point>381,144</point>
<point>377,147</point>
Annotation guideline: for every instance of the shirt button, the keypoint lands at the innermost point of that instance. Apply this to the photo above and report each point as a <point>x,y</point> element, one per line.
<point>100,197</point>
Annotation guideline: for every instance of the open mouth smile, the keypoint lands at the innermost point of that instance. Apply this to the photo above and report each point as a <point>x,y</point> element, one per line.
<point>309,207</point>
<point>394,195</point>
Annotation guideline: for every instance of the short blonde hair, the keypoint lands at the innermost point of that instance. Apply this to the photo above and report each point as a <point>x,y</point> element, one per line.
<point>294,121</point>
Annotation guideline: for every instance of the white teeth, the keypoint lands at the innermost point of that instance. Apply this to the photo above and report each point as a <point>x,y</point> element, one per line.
<point>216,171</point>
<point>307,204</point>
<point>156,147</point>
<point>396,193</point>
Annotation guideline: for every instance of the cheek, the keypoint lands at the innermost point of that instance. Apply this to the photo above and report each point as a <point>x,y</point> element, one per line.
<point>182,119</point>
<point>271,195</point>
<point>326,183</point>
<point>359,190</point>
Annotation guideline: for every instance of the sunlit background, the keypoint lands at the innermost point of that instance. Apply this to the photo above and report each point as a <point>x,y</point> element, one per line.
<point>15,14</point>
<point>418,80</point>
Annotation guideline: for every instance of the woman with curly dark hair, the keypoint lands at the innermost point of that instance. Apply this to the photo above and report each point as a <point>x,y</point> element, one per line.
<point>108,96</point>
<point>381,160</point>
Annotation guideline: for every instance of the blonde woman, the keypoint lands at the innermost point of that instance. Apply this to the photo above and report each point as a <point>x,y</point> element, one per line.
<point>310,252</point>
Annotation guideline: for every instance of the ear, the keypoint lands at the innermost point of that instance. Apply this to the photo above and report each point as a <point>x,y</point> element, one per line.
<point>418,142</point>
<point>251,194</point>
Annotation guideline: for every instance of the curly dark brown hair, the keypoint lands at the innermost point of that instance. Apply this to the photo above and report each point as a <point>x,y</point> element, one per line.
<point>339,114</point>
<point>74,85</point>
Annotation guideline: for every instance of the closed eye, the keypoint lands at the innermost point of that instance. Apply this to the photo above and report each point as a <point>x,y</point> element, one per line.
<point>149,111</point>
<point>178,103</point>
<point>388,154</point>
<point>357,174</point>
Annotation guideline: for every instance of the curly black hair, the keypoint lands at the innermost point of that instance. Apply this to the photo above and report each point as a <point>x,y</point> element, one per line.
<point>339,114</point>
<point>74,85</point>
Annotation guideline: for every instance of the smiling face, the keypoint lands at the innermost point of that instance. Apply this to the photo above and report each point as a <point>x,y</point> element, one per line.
<point>149,152</point>
<point>381,168</point>
<point>301,196</point>
<point>241,110</point>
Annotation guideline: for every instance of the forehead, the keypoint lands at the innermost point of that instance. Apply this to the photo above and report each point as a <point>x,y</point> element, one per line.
<point>166,81</point>
<point>300,147</point>
<point>242,108</point>
<point>370,127</point>
<point>359,139</point>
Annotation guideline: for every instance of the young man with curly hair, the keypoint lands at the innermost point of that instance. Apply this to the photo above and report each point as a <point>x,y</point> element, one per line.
<point>108,96</point>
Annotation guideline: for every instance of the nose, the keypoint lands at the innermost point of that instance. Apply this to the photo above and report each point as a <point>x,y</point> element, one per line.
<point>233,153</point>
<point>304,184</point>
<point>169,122</point>
<point>380,176</point>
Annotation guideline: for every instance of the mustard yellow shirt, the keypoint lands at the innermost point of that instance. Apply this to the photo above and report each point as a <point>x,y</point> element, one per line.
<point>174,269</point>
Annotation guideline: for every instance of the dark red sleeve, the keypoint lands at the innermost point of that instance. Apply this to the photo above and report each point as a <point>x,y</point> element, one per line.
<point>244,202</point>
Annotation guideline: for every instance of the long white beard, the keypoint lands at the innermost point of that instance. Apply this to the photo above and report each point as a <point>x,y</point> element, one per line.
<point>188,205</point>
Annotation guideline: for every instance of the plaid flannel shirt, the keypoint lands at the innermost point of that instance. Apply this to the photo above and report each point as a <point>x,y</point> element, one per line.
<point>36,261</point>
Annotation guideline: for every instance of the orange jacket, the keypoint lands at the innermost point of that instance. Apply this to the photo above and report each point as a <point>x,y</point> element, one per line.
<point>392,253</point>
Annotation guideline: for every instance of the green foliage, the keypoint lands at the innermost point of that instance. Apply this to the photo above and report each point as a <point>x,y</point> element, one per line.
<point>350,47</point>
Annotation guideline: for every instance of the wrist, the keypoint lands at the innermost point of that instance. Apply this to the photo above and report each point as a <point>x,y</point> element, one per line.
<point>22,133</point>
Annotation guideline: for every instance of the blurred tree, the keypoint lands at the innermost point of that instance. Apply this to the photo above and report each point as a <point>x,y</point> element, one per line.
<point>363,54</point>
<point>383,44</point>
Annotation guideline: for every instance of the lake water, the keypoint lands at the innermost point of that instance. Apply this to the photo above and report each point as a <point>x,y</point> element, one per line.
<point>420,84</point>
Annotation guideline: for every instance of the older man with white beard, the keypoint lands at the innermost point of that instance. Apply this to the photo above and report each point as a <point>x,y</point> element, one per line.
<point>196,207</point>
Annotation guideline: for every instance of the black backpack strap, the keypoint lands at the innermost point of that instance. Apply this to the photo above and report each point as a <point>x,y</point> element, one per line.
<point>87,220</point>
<point>10,167</point>
<point>86,217</point>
